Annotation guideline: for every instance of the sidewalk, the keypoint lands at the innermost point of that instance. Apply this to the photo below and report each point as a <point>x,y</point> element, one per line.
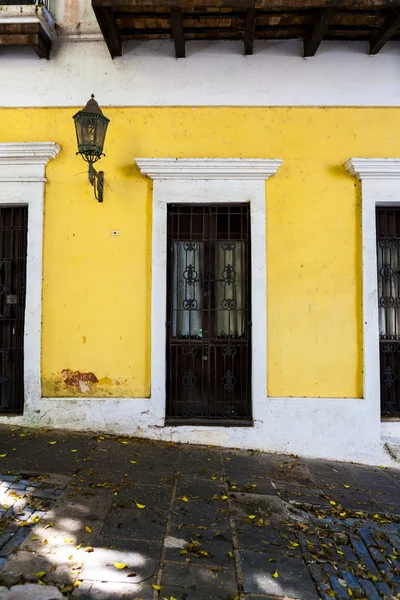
<point>89,517</point>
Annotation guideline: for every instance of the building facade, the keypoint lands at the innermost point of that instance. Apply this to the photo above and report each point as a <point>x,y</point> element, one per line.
<point>238,285</point>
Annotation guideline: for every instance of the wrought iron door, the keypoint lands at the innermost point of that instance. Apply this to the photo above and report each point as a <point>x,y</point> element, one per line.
<point>388,255</point>
<point>13,250</point>
<point>209,314</point>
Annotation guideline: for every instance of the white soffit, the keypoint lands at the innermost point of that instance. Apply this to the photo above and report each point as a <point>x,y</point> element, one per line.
<point>213,74</point>
<point>208,168</point>
<point>374,168</point>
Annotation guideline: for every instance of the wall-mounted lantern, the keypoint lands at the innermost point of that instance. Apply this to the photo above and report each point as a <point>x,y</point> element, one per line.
<point>91,127</point>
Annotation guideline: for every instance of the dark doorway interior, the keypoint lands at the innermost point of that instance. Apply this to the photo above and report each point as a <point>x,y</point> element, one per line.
<point>209,315</point>
<point>13,252</point>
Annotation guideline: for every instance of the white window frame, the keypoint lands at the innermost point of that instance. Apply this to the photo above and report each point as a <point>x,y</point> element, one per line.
<point>208,181</point>
<point>380,186</point>
<point>22,183</point>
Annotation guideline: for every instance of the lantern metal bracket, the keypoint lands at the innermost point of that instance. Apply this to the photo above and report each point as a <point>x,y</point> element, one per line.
<point>96,179</point>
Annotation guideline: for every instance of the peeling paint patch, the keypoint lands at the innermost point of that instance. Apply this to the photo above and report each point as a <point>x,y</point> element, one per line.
<point>79,380</point>
<point>75,384</point>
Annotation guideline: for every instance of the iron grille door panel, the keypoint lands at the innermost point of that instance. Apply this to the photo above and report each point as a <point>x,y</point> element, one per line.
<point>13,252</point>
<point>388,260</point>
<point>208,308</point>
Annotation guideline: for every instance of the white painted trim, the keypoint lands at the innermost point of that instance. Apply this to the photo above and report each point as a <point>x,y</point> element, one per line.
<point>175,181</point>
<point>380,185</point>
<point>22,181</point>
<point>209,168</point>
<point>28,153</point>
<point>374,168</point>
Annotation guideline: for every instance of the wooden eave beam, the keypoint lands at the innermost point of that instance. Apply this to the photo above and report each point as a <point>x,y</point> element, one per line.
<point>177,31</point>
<point>249,30</point>
<point>106,19</point>
<point>317,31</point>
<point>281,5</point>
<point>26,34</point>
<point>385,32</point>
<point>120,5</point>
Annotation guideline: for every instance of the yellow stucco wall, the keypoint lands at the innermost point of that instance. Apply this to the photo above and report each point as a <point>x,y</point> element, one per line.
<point>96,292</point>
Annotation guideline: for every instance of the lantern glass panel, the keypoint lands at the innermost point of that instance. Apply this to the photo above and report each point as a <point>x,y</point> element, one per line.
<point>91,127</point>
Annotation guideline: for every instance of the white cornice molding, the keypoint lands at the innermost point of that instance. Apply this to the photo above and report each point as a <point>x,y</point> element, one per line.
<point>26,161</point>
<point>28,153</point>
<point>208,168</point>
<point>374,168</point>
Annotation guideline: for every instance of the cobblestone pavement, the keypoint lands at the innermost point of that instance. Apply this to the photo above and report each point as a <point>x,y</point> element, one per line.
<point>96,518</point>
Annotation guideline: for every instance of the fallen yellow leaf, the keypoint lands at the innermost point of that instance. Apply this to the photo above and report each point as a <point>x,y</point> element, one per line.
<point>74,450</point>
<point>77,583</point>
<point>118,565</point>
<point>88,529</point>
<point>184,499</point>
<point>40,574</point>
<point>276,574</point>
<point>230,554</point>
<point>346,486</point>
<point>123,442</point>
<point>23,524</point>
<point>35,519</point>
<point>68,540</point>
<point>224,497</point>
<point>332,502</point>
<point>251,516</point>
<point>156,587</point>
<point>3,455</point>
<point>45,542</point>
<point>140,505</point>
<point>133,462</point>
<point>52,443</point>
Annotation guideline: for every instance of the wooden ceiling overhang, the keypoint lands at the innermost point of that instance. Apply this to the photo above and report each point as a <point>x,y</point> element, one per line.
<point>26,25</point>
<point>375,21</point>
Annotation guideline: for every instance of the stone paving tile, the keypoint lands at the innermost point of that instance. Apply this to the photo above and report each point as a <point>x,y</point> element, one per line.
<point>201,464</point>
<point>178,580</point>
<point>212,514</point>
<point>93,590</point>
<point>251,485</point>
<point>156,499</point>
<point>99,564</point>
<point>284,576</point>
<point>199,489</point>
<point>274,539</point>
<point>134,524</point>
<point>184,546</point>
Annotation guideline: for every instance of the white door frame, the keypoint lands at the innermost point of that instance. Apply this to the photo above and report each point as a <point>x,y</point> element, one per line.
<point>380,186</point>
<point>22,183</point>
<point>208,181</point>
